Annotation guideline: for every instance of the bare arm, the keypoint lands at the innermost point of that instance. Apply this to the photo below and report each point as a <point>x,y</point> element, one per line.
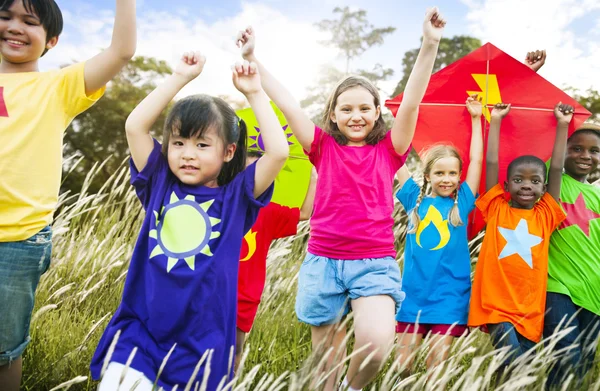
<point>100,69</point>
<point>563,114</point>
<point>403,175</point>
<point>145,114</point>
<point>309,200</point>
<point>302,127</point>
<point>405,122</point>
<point>247,80</point>
<point>491,160</point>
<point>476,151</point>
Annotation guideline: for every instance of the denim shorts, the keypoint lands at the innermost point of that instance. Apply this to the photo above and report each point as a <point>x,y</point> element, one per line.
<point>22,264</point>
<point>326,286</point>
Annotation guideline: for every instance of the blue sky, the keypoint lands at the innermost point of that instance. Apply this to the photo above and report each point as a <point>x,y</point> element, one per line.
<point>288,39</point>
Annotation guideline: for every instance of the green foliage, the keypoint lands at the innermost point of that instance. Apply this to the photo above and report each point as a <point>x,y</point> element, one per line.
<point>99,133</point>
<point>450,50</point>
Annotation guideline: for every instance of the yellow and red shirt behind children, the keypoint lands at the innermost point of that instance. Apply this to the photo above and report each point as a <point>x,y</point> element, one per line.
<point>512,270</point>
<point>35,110</point>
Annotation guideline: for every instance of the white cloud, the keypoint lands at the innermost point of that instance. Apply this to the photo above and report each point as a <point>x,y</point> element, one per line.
<point>288,48</point>
<point>518,26</point>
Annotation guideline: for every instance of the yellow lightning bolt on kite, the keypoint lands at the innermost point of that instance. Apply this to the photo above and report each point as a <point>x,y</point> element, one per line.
<point>434,216</point>
<point>490,91</point>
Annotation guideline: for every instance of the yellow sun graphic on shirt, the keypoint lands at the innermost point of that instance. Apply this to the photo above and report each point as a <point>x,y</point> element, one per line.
<point>183,230</point>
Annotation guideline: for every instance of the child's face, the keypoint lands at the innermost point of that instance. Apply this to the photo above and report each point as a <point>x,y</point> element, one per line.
<point>583,155</point>
<point>355,114</point>
<point>526,184</point>
<point>22,36</point>
<point>198,160</point>
<point>444,176</point>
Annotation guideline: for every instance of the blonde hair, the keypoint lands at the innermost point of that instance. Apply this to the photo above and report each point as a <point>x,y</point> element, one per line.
<point>379,129</point>
<point>432,155</point>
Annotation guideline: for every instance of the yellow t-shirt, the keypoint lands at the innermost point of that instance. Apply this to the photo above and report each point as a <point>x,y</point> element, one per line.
<point>35,110</point>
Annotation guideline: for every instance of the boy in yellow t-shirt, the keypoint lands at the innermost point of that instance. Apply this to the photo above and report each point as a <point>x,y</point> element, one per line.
<point>35,109</point>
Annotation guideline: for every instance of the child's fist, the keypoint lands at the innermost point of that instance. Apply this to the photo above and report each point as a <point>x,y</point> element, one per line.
<point>246,78</point>
<point>536,59</point>
<point>434,24</point>
<point>563,112</point>
<point>474,106</point>
<point>190,65</point>
<point>500,110</point>
<point>246,41</point>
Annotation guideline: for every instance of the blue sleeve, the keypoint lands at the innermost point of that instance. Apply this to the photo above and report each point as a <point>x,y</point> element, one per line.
<point>156,170</point>
<point>245,182</point>
<point>466,201</point>
<point>408,194</point>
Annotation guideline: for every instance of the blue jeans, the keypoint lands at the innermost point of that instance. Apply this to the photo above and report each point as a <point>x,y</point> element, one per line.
<point>582,340</point>
<point>505,335</point>
<point>22,264</point>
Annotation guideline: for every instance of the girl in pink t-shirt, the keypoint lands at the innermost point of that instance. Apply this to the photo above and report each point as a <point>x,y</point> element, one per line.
<point>351,257</point>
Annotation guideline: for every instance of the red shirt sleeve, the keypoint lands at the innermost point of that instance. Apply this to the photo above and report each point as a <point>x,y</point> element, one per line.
<point>283,220</point>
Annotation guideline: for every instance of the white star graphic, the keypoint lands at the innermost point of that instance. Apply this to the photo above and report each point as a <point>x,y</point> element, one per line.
<point>519,241</point>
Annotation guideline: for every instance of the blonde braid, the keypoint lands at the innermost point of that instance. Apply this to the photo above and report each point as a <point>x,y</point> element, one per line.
<point>413,216</point>
<point>454,215</point>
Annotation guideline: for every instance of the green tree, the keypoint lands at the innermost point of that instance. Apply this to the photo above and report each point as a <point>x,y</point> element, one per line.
<point>450,50</point>
<point>99,133</point>
<point>590,99</point>
<point>352,34</point>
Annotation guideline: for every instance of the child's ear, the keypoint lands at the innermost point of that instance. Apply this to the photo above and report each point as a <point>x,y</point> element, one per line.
<point>506,186</point>
<point>51,43</point>
<point>332,117</point>
<point>230,152</point>
<point>378,112</point>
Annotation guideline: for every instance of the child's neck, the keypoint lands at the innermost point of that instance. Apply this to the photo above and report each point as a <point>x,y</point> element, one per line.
<point>9,67</point>
<point>582,179</point>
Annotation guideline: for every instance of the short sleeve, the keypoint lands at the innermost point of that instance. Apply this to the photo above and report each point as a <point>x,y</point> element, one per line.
<point>408,194</point>
<point>156,170</point>
<point>553,213</point>
<point>490,202</point>
<point>244,181</point>
<point>284,219</point>
<point>314,156</point>
<point>466,200</point>
<point>72,90</point>
<point>398,160</point>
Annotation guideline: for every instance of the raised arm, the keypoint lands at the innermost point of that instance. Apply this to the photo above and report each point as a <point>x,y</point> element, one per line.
<point>476,151</point>
<point>309,200</point>
<point>247,80</point>
<point>302,127</point>
<point>402,175</point>
<point>563,114</point>
<point>405,122</point>
<point>491,159</point>
<point>145,114</point>
<point>100,69</point>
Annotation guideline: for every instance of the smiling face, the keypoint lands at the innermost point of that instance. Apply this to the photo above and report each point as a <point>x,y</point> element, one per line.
<point>22,38</point>
<point>444,176</point>
<point>583,154</point>
<point>526,184</point>
<point>198,160</point>
<point>355,115</point>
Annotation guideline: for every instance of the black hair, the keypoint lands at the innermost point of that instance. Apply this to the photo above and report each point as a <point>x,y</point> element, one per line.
<point>254,153</point>
<point>48,12</point>
<point>526,159</point>
<point>194,115</point>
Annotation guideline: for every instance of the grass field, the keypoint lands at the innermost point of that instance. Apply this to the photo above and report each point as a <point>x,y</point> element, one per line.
<point>94,236</point>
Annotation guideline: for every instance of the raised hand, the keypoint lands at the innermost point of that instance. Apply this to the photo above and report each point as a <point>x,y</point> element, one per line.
<point>245,78</point>
<point>190,65</point>
<point>474,106</point>
<point>500,110</point>
<point>246,40</point>
<point>433,25</point>
<point>563,112</point>
<point>536,59</point>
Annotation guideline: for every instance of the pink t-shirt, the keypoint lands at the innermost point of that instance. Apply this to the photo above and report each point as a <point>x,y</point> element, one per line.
<point>354,202</point>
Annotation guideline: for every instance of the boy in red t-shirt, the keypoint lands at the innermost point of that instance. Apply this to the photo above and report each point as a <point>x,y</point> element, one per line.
<point>274,222</point>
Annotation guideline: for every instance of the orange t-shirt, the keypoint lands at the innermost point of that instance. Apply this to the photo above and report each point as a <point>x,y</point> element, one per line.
<point>512,271</point>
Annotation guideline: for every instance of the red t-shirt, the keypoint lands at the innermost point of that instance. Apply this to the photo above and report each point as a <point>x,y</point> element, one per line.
<point>274,222</point>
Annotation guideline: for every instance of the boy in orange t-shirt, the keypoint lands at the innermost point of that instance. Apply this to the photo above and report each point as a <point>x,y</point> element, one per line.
<point>509,289</point>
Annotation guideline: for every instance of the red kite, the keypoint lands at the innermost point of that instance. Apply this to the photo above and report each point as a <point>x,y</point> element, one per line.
<point>495,76</point>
